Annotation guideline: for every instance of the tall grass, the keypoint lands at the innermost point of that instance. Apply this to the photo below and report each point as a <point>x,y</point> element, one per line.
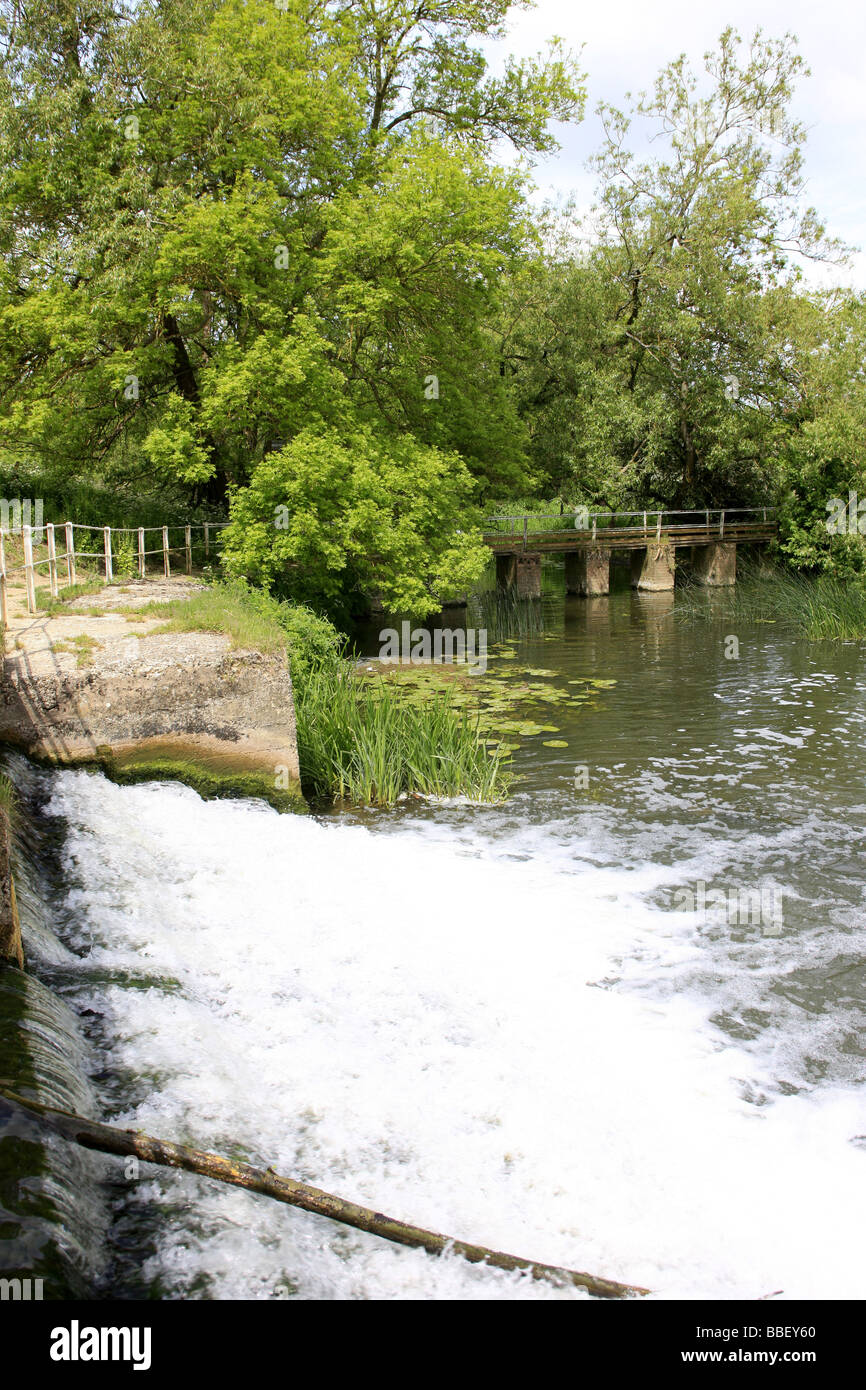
<point>225,608</point>
<point>359,740</point>
<point>820,608</point>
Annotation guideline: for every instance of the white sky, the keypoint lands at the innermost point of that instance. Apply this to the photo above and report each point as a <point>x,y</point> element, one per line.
<point>626,42</point>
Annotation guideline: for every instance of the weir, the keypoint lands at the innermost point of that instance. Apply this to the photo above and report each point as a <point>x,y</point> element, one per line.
<point>104,683</point>
<point>54,1201</point>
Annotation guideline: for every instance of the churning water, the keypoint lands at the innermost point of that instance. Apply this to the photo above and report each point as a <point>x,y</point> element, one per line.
<point>518,1026</point>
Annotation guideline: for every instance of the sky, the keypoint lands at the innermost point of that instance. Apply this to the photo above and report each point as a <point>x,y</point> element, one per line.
<point>626,42</point>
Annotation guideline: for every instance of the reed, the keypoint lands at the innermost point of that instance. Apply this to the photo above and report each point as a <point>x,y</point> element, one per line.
<point>820,608</point>
<point>359,740</point>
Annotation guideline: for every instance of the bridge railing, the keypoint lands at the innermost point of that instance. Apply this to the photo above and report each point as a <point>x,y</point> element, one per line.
<point>68,556</point>
<point>650,522</point>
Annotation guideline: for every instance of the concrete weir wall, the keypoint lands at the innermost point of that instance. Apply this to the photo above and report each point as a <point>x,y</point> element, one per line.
<point>182,693</point>
<point>103,682</point>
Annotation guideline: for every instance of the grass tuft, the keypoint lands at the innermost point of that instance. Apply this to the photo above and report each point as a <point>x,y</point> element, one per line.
<point>820,608</point>
<point>8,798</point>
<point>360,741</point>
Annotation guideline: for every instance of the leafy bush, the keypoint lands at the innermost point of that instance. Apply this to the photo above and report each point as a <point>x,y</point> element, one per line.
<point>365,512</point>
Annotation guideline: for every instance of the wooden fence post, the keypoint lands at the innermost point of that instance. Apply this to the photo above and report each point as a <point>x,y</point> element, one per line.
<point>52,559</point>
<point>141,563</point>
<point>206,539</point>
<point>187,537</point>
<point>4,610</point>
<point>109,568</point>
<point>70,554</point>
<point>659,528</point>
<point>165,560</point>
<point>29,579</point>
<point>722,524</point>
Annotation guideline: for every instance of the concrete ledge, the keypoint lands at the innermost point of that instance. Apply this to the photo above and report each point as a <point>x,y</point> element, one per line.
<point>97,684</point>
<point>184,686</point>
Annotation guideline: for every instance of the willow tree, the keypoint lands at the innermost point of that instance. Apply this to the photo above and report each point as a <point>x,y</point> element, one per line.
<point>685,371</point>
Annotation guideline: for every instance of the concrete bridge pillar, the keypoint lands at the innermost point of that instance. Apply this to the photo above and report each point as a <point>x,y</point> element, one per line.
<point>520,572</point>
<point>653,569</point>
<point>587,572</point>
<point>716,564</point>
<point>529,576</point>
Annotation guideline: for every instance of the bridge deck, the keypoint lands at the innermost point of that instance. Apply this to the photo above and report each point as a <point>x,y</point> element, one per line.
<point>514,536</point>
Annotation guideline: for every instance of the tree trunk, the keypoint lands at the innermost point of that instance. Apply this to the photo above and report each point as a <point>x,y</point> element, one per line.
<point>130,1143</point>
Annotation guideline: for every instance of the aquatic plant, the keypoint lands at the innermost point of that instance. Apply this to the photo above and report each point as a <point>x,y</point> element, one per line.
<point>362,740</point>
<point>821,608</point>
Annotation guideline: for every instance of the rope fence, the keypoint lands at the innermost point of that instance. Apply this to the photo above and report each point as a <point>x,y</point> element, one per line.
<point>104,556</point>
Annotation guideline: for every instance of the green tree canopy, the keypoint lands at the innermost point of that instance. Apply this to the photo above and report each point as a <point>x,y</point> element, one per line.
<point>212,206</point>
<point>660,360</point>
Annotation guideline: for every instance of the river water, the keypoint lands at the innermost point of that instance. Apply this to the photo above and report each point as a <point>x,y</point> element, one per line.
<point>614,1024</point>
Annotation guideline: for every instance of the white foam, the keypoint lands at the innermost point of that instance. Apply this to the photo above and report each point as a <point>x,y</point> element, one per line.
<point>428,1032</point>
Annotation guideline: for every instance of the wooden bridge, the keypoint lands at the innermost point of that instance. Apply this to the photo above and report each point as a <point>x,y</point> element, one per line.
<point>587,540</point>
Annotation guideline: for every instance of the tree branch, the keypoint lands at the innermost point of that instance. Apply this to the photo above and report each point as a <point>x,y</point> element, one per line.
<point>90,1134</point>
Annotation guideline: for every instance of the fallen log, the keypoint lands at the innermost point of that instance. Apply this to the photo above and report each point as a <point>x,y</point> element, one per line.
<point>128,1143</point>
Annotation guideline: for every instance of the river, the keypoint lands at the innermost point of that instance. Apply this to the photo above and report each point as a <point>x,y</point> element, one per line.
<point>536,1026</point>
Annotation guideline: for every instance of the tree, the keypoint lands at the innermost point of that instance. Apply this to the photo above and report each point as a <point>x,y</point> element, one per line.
<point>207,210</point>
<point>688,296</point>
<point>336,513</point>
<point>823,455</point>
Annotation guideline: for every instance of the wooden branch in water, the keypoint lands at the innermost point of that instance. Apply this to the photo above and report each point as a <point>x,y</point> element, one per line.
<point>133,1144</point>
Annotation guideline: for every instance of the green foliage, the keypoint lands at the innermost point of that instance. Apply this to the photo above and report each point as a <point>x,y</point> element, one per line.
<point>222,217</point>
<point>360,740</point>
<point>367,512</point>
<point>664,362</point>
<point>271,247</point>
<point>90,503</point>
<point>823,454</point>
